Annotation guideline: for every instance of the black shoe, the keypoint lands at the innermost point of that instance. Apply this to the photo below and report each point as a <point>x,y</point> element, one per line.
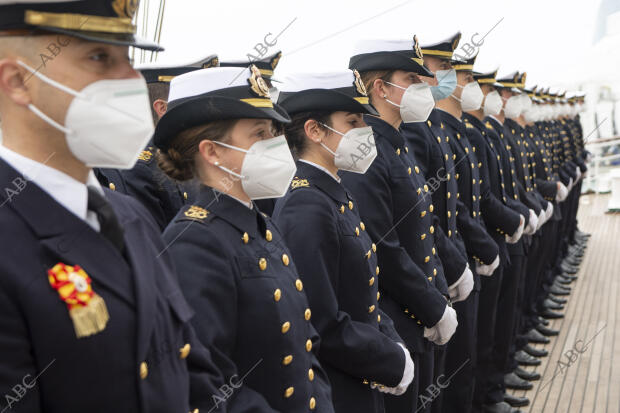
<point>533,336</point>
<point>512,381</point>
<point>535,352</point>
<point>557,300</point>
<point>525,359</point>
<point>543,321</point>
<point>501,407</point>
<point>527,375</point>
<point>554,289</point>
<point>546,331</point>
<point>563,280</point>
<point>550,315</point>
<point>552,305</point>
<point>516,401</point>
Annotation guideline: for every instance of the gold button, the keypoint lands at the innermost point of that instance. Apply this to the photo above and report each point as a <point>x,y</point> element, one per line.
<point>308,345</point>
<point>378,295</point>
<point>449,195</point>
<point>466,150</point>
<point>342,209</point>
<point>474,214</point>
<point>427,258</point>
<point>425,188</point>
<point>454,157</point>
<point>285,260</point>
<point>446,156</point>
<point>398,151</point>
<point>419,191</point>
<point>378,318</point>
<point>474,197</point>
<point>438,139</point>
<point>184,195</point>
<point>430,208</point>
<point>277,294</point>
<point>368,254</point>
<point>407,149</point>
<point>434,251</point>
<point>449,214</point>
<point>428,122</point>
<point>434,271</point>
<point>423,214</point>
<point>350,205</point>
<point>409,170</point>
<point>432,230</point>
<point>458,135</point>
<point>268,235</point>
<point>357,231</point>
<point>377,270</point>
<point>371,281</point>
<point>430,278</point>
<point>374,247</point>
<point>262,264</point>
<point>307,314</point>
<point>449,232</point>
<point>299,285</point>
<point>310,374</point>
<point>289,392</point>
<point>371,308</point>
<point>112,186</point>
<point>417,170</point>
<point>362,226</point>
<point>312,403</point>
<point>422,237</point>
<point>184,351</point>
<point>287,360</point>
<point>144,370</point>
<point>245,238</point>
<point>286,327</point>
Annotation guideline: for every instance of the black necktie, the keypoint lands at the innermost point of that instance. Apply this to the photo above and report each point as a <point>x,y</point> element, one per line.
<point>110,228</point>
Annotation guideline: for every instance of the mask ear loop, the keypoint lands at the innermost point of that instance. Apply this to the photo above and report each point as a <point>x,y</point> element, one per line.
<point>225,169</point>
<point>325,146</point>
<point>388,100</point>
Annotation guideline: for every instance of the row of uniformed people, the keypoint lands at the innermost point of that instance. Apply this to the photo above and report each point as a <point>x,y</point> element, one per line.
<point>261,291</point>
<point>481,249</point>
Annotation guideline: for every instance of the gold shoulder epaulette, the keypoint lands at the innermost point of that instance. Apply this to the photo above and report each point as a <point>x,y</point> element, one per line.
<point>299,183</point>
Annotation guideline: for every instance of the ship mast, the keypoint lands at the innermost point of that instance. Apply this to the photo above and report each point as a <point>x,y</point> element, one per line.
<point>149,19</point>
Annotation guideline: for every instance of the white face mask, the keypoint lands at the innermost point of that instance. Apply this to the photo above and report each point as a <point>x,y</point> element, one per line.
<point>267,170</point>
<point>512,109</point>
<point>492,104</point>
<point>471,96</point>
<point>530,115</point>
<point>416,104</point>
<point>356,150</point>
<point>108,123</point>
<point>526,102</point>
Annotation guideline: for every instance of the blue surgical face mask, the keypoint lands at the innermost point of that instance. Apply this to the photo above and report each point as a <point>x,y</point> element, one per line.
<point>446,80</point>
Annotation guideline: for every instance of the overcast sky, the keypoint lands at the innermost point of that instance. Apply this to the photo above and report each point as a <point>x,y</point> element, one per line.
<point>549,39</point>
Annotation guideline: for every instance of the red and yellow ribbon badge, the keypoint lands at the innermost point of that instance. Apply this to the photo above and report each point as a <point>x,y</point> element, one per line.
<point>86,308</point>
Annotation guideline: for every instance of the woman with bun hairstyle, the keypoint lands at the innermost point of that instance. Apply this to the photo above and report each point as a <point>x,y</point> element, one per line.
<point>234,269</point>
<point>337,261</point>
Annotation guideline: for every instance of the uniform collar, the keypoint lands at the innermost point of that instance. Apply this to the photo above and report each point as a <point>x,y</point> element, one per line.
<point>448,118</point>
<point>228,208</point>
<point>322,168</point>
<point>68,192</point>
<point>496,120</point>
<point>322,180</point>
<point>385,130</point>
<point>474,121</point>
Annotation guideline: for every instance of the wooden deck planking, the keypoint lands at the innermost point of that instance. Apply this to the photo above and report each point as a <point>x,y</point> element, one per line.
<point>590,383</point>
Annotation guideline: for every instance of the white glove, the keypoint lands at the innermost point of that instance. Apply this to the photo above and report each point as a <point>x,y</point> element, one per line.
<point>441,332</point>
<point>562,192</point>
<point>407,376</point>
<point>570,184</point>
<point>542,218</point>
<point>459,291</point>
<point>549,211</point>
<point>532,224</point>
<point>514,238</point>
<point>487,270</point>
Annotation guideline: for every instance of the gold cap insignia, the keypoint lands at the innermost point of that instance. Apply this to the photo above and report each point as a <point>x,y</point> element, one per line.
<point>125,8</point>
<point>359,85</point>
<point>275,60</point>
<point>196,212</point>
<point>456,41</point>
<point>416,47</point>
<point>257,83</point>
<point>215,62</point>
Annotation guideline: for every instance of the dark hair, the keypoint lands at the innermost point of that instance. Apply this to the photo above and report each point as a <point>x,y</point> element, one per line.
<point>178,161</point>
<point>295,133</point>
<point>368,78</point>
